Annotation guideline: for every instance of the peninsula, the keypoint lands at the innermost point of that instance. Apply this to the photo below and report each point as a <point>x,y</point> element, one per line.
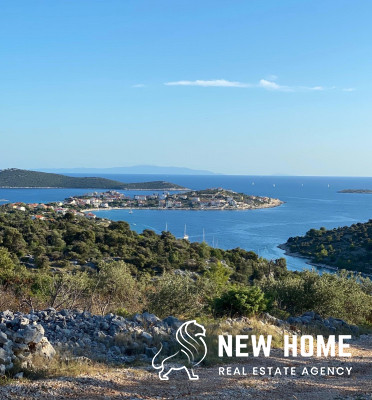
<point>19,178</point>
<point>208,199</point>
<point>348,247</point>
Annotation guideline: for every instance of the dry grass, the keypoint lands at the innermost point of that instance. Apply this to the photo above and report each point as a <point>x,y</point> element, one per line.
<point>60,366</point>
<point>254,327</point>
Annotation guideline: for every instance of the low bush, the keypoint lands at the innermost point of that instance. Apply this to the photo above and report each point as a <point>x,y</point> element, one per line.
<point>240,301</point>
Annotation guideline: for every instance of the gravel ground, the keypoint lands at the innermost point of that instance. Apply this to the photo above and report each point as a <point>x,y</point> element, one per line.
<point>144,383</point>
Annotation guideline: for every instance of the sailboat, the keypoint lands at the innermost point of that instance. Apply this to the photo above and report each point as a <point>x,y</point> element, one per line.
<point>185,235</point>
<point>130,211</point>
<point>203,236</point>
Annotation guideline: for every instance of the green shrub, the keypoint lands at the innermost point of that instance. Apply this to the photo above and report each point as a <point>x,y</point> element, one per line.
<point>342,295</point>
<point>123,312</point>
<point>240,301</point>
<point>177,295</point>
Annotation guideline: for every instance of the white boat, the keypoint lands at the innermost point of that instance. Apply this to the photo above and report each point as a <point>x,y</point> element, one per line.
<point>130,211</point>
<point>185,235</point>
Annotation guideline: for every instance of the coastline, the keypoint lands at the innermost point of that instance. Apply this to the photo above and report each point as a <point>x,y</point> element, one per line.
<point>317,265</point>
<point>288,252</point>
<point>179,209</point>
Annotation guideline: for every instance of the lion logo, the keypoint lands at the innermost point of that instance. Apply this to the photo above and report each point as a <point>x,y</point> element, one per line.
<point>191,353</point>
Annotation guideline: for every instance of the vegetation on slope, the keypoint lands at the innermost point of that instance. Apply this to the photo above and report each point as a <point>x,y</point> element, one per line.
<point>349,247</point>
<point>18,178</point>
<point>58,240</point>
<point>101,266</point>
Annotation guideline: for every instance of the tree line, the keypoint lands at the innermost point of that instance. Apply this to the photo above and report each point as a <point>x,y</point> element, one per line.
<point>101,266</point>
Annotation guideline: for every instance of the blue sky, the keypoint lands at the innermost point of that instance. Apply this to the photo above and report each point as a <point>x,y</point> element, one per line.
<point>240,87</point>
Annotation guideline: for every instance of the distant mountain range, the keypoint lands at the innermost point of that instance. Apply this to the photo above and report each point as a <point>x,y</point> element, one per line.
<point>20,178</point>
<point>136,169</point>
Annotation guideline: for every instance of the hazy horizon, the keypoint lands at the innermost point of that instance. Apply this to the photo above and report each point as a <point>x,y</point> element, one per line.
<point>209,173</point>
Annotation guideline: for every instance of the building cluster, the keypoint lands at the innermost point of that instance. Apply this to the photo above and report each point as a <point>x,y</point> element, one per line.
<point>41,211</point>
<point>112,199</point>
<point>210,199</point>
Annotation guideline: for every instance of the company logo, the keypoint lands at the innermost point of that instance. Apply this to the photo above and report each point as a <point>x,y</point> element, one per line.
<point>192,351</point>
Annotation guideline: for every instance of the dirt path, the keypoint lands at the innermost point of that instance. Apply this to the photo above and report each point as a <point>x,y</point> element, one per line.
<point>144,384</point>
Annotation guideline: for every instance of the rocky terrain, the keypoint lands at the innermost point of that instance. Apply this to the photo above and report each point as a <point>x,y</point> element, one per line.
<point>115,343</point>
<point>143,383</point>
<point>314,320</point>
<point>21,339</point>
<point>110,338</point>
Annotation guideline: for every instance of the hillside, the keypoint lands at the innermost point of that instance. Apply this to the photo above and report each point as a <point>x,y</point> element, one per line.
<point>348,247</point>
<point>19,178</point>
<point>59,239</point>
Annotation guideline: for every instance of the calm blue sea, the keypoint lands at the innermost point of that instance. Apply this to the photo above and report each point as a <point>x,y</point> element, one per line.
<point>311,202</point>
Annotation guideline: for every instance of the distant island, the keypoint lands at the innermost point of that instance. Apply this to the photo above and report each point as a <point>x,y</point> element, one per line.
<point>135,170</point>
<point>208,199</point>
<point>19,178</point>
<point>363,191</point>
<point>348,247</point>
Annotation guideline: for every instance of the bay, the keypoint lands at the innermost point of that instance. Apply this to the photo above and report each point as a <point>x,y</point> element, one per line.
<point>310,202</point>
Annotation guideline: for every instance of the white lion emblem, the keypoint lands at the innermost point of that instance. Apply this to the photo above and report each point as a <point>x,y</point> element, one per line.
<point>191,353</point>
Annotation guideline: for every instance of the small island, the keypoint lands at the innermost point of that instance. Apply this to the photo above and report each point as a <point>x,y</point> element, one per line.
<point>361,191</point>
<point>208,199</point>
<point>18,178</point>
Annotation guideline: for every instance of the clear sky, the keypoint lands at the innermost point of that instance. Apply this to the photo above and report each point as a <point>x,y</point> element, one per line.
<point>240,87</point>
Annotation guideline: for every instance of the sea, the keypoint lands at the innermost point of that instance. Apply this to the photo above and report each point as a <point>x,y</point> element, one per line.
<point>310,202</point>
